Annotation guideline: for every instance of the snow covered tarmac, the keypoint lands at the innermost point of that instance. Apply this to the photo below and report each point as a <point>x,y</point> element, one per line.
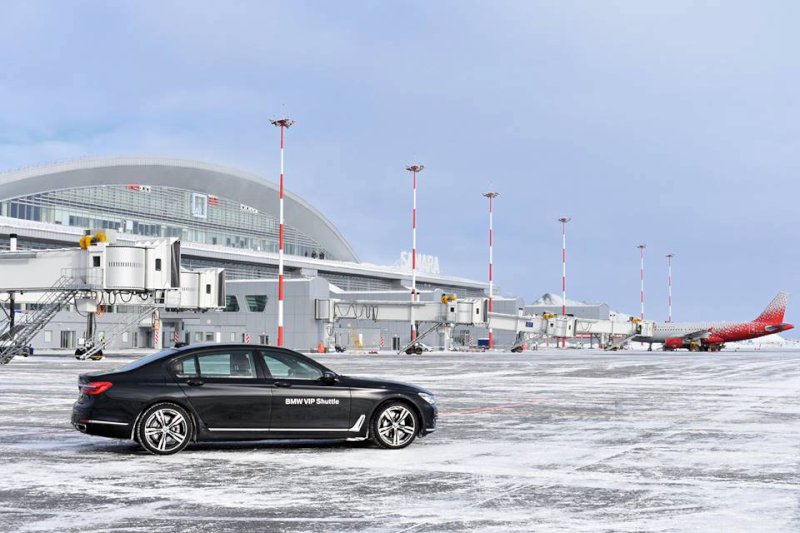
<point>575,441</point>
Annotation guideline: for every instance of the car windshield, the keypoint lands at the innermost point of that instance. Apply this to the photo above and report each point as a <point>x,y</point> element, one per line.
<point>145,360</point>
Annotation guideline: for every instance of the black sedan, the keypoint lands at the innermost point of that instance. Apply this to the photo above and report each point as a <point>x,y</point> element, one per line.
<point>243,392</point>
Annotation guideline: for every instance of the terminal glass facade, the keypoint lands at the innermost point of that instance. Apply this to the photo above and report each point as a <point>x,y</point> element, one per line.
<point>156,211</point>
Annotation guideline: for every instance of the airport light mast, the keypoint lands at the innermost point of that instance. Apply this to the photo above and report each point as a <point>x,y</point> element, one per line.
<point>641,248</point>
<point>284,123</point>
<point>414,169</point>
<point>491,196</point>
<point>564,221</point>
<point>669,283</point>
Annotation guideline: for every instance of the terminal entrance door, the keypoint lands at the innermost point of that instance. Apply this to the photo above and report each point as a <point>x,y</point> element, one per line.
<point>68,339</point>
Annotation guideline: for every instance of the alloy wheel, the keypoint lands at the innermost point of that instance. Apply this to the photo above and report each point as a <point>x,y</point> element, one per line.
<point>165,430</point>
<point>396,426</point>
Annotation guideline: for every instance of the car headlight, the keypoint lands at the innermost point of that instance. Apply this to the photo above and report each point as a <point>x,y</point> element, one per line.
<point>430,398</point>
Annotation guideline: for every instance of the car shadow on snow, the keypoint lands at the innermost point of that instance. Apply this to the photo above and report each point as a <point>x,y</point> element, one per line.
<point>124,447</point>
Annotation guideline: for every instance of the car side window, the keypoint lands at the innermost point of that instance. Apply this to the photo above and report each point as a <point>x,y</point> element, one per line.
<point>233,364</point>
<point>186,368</point>
<point>285,366</point>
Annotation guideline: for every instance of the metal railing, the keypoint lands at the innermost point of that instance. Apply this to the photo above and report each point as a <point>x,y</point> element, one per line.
<point>18,340</point>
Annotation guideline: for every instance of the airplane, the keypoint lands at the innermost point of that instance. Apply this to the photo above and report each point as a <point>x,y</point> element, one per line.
<point>712,336</point>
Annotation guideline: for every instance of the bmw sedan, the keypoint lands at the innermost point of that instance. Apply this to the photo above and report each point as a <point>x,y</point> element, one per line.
<point>243,392</point>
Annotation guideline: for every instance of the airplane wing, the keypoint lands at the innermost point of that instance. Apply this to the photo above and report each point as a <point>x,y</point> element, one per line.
<point>698,335</point>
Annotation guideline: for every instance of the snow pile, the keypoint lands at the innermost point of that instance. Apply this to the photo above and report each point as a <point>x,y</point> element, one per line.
<point>549,299</point>
<point>619,317</point>
<point>767,341</point>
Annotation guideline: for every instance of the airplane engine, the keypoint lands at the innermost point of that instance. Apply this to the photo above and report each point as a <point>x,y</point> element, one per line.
<point>673,343</point>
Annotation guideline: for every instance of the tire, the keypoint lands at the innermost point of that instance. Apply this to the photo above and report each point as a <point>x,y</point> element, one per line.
<point>395,425</point>
<point>97,356</point>
<point>79,352</point>
<point>164,429</point>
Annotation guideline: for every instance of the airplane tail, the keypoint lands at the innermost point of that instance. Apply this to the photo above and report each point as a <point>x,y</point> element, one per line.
<point>774,312</point>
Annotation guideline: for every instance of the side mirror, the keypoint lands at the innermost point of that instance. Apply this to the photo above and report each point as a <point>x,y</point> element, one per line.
<point>328,378</point>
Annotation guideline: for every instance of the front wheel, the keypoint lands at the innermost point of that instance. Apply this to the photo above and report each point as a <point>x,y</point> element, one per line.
<point>164,429</point>
<point>394,426</point>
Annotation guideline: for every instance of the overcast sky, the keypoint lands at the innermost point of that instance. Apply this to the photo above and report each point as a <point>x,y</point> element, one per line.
<point>670,123</point>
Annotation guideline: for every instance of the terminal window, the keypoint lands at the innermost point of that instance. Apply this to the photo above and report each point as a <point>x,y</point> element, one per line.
<point>256,302</point>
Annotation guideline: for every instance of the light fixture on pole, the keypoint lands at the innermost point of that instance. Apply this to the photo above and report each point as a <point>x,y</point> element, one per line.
<point>283,123</point>
<point>564,221</point>
<point>414,169</point>
<point>491,196</point>
<point>669,283</point>
<point>641,248</point>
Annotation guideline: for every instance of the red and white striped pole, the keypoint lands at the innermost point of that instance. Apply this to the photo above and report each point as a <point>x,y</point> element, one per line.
<point>414,296</point>
<point>641,248</point>
<point>564,221</point>
<point>669,278</point>
<point>491,196</point>
<point>283,123</point>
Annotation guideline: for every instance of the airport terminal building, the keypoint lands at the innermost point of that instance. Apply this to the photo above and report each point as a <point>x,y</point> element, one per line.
<point>224,218</point>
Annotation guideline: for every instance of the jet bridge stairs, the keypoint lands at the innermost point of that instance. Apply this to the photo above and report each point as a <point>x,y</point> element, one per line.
<point>15,341</point>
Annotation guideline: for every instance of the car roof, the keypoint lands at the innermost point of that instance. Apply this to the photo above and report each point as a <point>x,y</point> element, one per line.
<point>200,345</point>
<point>189,348</point>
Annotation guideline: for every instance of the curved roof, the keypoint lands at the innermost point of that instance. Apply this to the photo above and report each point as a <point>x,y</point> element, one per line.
<point>237,185</point>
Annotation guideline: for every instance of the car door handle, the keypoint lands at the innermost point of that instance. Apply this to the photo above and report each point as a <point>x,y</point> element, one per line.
<point>282,384</point>
<point>195,382</point>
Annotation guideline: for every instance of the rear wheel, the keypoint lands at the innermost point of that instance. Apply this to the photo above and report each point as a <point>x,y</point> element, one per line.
<point>394,426</point>
<point>164,429</point>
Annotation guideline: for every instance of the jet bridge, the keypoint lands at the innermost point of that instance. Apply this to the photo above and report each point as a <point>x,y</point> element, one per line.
<point>146,275</point>
<point>451,312</point>
<point>568,326</point>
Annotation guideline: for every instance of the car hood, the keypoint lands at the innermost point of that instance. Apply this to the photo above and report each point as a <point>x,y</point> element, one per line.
<point>373,383</point>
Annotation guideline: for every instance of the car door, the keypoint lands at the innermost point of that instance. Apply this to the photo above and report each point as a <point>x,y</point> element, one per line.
<point>226,390</point>
<point>301,401</point>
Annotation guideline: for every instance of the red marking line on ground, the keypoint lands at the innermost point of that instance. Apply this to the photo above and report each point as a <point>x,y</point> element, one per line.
<point>489,409</point>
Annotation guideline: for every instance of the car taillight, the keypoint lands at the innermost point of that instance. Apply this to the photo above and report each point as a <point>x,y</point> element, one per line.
<point>93,388</point>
